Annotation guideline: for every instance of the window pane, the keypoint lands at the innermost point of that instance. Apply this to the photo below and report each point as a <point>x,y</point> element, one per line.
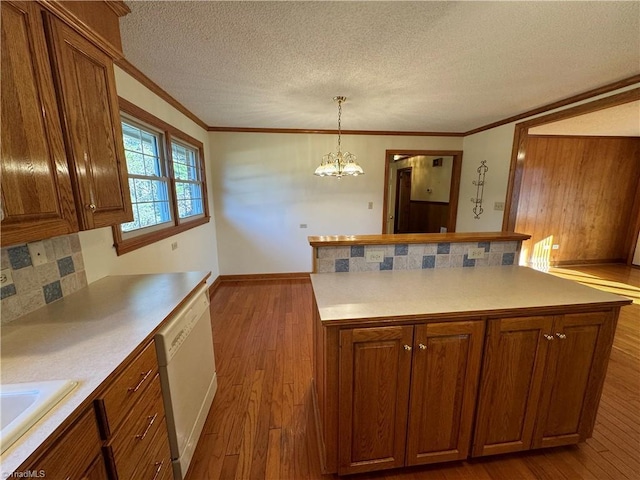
<point>185,162</point>
<point>141,151</point>
<point>189,196</point>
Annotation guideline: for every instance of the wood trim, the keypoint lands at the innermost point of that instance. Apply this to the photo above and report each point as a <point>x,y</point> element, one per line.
<point>394,238</point>
<point>129,68</point>
<point>454,189</point>
<point>579,137</point>
<point>428,202</point>
<point>518,151</point>
<point>118,6</point>
<point>87,31</point>
<point>333,132</point>
<point>560,103</point>
<point>131,244</point>
<point>214,287</point>
<point>264,277</point>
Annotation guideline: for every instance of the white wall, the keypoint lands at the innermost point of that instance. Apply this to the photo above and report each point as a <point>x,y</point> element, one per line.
<point>264,188</point>
<point>197,248</point>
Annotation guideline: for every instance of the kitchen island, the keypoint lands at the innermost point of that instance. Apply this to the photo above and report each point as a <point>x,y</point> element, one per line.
<point>437,364</point>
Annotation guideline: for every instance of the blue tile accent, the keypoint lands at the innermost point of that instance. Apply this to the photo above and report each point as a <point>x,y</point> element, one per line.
<point>429,261</point>
<point>357,251</point>
<point>65,266</point>
<point>485,245</point>
<point>342,264</point>
<point>387,264</point>
<point>468,262</point>
<point>52,291</point>
<point>402,249</point>
<point>508,258</point>
<point>7,291</point>
<point>19,257</point>
<point>444,247</point>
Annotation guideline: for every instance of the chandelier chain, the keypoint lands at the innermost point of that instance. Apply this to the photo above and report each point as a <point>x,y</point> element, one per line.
<point>339,122</point>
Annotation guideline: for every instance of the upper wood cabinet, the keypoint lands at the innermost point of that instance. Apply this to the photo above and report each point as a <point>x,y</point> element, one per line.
<point>93,134</point>
<point>62,164</point>
<point>37,197</point>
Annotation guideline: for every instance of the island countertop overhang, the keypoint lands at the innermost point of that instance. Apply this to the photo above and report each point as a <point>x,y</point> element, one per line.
<point>413,238</point>
<point>441,293</point>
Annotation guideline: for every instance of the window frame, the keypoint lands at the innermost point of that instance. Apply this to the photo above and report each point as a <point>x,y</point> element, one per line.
<point>128,242</point>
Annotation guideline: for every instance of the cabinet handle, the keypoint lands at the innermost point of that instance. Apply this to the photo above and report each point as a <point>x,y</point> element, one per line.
<point>422,346</point>
<point>92,207</point>
<point>137,387</point>
<point>548,337</point>
<point>146,430</point>
<point>407,347</point>
<point>561,336</point>
<point>159,465</point>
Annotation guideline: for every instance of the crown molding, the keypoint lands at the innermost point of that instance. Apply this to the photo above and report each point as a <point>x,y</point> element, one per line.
<point>334,132</point>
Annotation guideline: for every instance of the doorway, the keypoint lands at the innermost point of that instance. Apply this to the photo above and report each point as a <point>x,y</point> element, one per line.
<point>421,191</point>
<point>403,201</point>
<point>558,191</point>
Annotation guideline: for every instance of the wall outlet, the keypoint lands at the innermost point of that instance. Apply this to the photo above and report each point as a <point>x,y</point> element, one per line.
<point>38,254</point>
<point>303,225</point>
<point>475,253</point>
<point>498,206</point>
<point>5,277</point>
<point>555,247</point>
<point>174,245</point>
<point>370,206</point>
<point>374,256</point>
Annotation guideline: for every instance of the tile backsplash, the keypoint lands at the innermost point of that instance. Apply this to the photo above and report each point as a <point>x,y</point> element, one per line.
<point>415,256</point>
<point>31,287</point>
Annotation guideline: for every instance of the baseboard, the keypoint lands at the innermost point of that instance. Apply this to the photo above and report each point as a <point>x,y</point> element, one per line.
<point>578,263</point>
<point>264,276</point>
<point>214,286</point>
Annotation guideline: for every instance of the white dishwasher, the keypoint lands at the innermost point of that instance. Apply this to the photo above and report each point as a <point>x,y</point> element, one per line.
<point>187,375</point>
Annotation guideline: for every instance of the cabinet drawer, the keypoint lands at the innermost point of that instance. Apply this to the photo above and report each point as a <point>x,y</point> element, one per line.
<point>127,389</point>
<point>156,464</point>
<point>83,440</point>
<point>133,438</point>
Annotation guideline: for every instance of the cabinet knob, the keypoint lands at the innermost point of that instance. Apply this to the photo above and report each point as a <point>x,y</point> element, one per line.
<point>92,207</point>
<point>422,346</point>
<point>548,337</point>
<point>561,336</point>
<point>407,347</point>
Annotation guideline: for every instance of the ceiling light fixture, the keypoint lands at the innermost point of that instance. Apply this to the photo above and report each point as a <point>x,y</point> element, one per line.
<point>340,163</point>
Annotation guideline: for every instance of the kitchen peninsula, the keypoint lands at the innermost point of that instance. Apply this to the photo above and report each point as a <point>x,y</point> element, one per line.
<point>431,364</point>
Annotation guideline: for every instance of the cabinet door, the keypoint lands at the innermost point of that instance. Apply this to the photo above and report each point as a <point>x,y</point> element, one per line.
<point>573,379</point>
<point>375,367</point>
<point>37,199</point>
<point>512,376</point>
<point>444,381</point>
<point>93,134</point>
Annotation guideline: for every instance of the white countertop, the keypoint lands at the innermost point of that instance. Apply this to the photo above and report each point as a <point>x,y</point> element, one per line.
<point>85,337</point>
<point>399,293</point>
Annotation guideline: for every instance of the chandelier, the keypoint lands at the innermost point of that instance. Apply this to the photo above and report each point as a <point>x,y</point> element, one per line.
<point>340,163</point>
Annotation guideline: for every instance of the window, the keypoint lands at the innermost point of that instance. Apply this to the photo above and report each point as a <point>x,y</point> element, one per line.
<point>166,180</point>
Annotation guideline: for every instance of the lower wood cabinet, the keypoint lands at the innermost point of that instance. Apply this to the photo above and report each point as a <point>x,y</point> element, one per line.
<point>75,454</point>
<point>542,379</point>
<point>407,394</point>
<point>393,393</point>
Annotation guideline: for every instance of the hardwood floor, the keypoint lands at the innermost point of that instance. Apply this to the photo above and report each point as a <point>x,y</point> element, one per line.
<point>259,424</point>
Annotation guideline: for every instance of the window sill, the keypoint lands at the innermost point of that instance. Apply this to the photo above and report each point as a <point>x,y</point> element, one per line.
<point>131,244</point>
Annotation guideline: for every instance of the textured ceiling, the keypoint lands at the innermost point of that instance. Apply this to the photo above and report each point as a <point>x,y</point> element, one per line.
<point>404,66</point>
<point>622,120</point>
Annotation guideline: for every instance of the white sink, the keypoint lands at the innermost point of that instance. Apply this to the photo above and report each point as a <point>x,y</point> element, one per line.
<point>23,404</point>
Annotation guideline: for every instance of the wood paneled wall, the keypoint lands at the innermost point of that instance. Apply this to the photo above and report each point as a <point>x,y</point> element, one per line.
<point>578,193</point>
<point>427,217</point>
